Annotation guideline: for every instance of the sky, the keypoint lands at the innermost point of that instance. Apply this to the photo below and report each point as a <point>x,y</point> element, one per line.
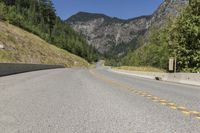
<point>123,9</point>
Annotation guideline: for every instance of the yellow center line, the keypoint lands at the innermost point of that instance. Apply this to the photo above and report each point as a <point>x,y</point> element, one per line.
<point>171,104</point>
<point>173,107</point>
<point>195,112</point>
<point>155,97</point>
<point>163,103</point>
<point>148,96</point>
<point>186,112</point>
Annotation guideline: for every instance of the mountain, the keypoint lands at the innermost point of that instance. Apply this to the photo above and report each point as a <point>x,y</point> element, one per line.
<point>114,35</point>
<point>21,46</point>
<point>104,32</point>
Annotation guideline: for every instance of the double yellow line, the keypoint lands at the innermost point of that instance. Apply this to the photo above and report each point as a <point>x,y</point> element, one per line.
<point>171,105</point>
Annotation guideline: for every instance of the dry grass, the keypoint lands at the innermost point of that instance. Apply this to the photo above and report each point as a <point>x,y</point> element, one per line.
<point>93,65</point>
<point>144,69</point>
<point>24,47</point>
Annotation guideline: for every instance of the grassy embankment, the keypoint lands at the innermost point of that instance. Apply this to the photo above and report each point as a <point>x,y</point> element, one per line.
<point>24,47</point>
<point>144,69</point>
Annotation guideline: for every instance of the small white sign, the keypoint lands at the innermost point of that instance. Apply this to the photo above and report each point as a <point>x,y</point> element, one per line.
<point>171,64</point>
<point>1,46</point>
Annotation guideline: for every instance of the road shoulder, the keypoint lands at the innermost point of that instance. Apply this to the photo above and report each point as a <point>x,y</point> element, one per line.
<point>182,78</point>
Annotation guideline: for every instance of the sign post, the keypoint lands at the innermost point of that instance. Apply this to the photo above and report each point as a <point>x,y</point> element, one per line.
<point>1,46</point>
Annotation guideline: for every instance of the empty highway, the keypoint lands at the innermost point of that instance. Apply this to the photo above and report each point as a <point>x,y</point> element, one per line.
<point>95,101</point>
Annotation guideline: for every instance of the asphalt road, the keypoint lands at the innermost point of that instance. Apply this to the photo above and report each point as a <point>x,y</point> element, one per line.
<point>95,101</point>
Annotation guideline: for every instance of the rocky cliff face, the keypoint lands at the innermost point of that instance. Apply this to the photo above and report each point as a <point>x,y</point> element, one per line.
<point>105,33</point>
<point>166,9</point>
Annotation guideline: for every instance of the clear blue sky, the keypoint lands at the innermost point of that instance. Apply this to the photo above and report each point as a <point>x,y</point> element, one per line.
<point>115,8</point>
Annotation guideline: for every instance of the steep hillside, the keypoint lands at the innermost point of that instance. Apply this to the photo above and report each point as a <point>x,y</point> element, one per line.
<point>114,35</point>
<point>39,17</point>
<point>23,47</point>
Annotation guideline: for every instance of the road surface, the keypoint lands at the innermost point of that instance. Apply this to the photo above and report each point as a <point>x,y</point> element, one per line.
<point>95,101</point>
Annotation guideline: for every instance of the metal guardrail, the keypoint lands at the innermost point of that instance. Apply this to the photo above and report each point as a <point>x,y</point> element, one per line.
<point>12,68</point>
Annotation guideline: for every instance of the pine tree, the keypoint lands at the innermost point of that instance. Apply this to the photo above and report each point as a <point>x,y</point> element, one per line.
<point>48,13</point>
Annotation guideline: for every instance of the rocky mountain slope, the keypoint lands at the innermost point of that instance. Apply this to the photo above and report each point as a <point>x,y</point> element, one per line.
<point>106,33</point>
<point>167,8</point>
<point>103,32</point>
<point>20,46</point>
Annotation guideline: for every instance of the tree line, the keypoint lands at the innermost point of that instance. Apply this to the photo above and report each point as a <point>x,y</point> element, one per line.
<point>39,17</point>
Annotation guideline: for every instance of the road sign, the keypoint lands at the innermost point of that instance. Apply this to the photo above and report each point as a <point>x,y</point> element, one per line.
<point>1,46</point>
<point>171,64</point>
